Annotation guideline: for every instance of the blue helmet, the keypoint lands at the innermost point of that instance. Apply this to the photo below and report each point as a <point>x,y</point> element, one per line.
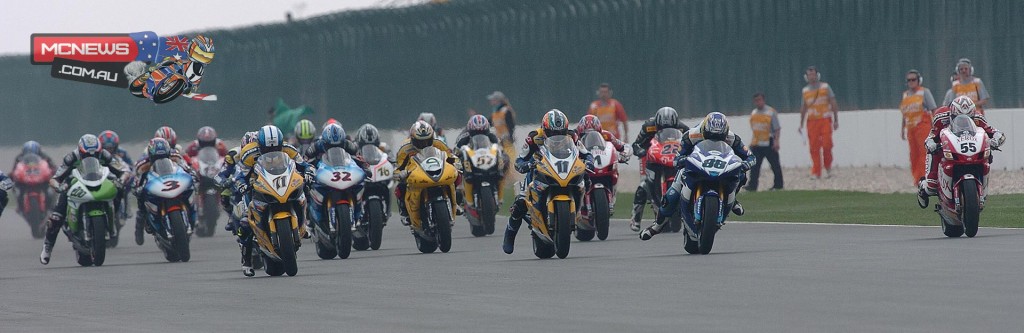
<point>715,126</point>
<point>333,135</point>
<point>89,145</point>
<point>31,147</point>
<point>109,140</point>
<point>158,148</point>
<point>270,139</point>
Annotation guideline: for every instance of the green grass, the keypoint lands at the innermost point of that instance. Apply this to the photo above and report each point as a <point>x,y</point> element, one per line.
<point>842,207</point>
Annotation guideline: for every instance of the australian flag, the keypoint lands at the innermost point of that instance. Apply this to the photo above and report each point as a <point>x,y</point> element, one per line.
<point>148,45</point>
<point>153,48</point>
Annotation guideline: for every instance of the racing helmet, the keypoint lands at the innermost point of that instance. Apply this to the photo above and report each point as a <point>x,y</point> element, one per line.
<point>478,123</point>
<point>109,140</point>
<point>207,136</point>
<point>555,123</point>
<point>269,139</point>
<point>89,145</point>
<point>421,134</point>
<point>367,134</point>
<point>714,127</point>
<point>200,49</point>
<point>30,147</point>
<point>333,135</point>
<point>666,117</point>
<point>167,133</point>
<point>158,148</point>
<point>588,123</point>
<point>305,131</point>
<point>962,105</point>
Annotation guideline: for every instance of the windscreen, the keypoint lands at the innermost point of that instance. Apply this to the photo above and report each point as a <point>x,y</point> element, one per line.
<point>669,135</point>
<point>30,159</point>
<point>275,163</point>
<point>91,170</point>
<point>560,146</point>
<point>593,140</point>
<point>209,155</point>
<point>963,124</point>
<point>163,167</point>
<point>337,157</point>
<point>371,154</point>
<point>708,146</point>
<point>479,141</point>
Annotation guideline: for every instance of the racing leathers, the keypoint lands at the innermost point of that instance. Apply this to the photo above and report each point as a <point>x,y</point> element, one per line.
<point>59,181</point>
<point>940,120</point>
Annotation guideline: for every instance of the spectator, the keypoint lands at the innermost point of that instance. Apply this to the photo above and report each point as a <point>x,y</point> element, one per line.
<point>764,123</point>
<point>916,106</point>
<point>818,107</point>
<point>503,118</point>
<point>967,85</point>
<point>610,112</point>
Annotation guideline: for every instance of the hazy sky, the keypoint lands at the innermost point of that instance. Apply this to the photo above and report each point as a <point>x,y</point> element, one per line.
<point>21,18</point>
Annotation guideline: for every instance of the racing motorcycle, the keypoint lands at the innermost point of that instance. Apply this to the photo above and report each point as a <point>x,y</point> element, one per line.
<point>557,186</point>
<point>430,184</point>
<point>963,175</point>
<point>483,164</point>
<point>168,189</point>
<point>713,171</point>
<point>163,82</point>
<point>599,199</point>
<point>277,196</point>
<point>90,216</point>
<point>207,164</point>
<point>32,175</point>
<point>338,182</point>
<point>376,199</point>
<point>660,159</point>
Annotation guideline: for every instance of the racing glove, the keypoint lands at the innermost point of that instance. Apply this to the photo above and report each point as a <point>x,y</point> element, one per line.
<point>997,140</point>
<point>931,145</point>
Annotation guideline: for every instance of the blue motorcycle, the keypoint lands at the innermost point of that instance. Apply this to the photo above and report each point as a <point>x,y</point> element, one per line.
<point>338,183</point>
<point>168,190</point>
<point>713,172</point>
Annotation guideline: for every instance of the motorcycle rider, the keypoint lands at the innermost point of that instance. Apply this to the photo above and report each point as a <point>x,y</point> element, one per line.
<point>961,105</point>
<point>88,146</point>
<point>592,123</point>
<point>432,121</point>
<point>334,136</point>
<point>554,123</point>
<point>304,133</point>
<point>714,127</point>
<point>478,125</point>
<point>200,54</point>
<point>369,135</point>
<point>30,147</point>
<point>421,136</point>
<point>666,117</point>
<point>206,137</point>
<point>156,149</point>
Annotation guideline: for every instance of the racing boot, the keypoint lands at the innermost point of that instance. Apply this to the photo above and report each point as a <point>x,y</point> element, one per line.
<point>515,220</point>
<point>924,191</point>
<point>737,208</point>
<point>44,257</point>
<point>654,229</point>
<point>639,200</point>
<point>247,262</point>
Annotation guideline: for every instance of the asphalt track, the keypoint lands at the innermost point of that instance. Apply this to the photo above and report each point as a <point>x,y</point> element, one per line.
<point>760,278</point>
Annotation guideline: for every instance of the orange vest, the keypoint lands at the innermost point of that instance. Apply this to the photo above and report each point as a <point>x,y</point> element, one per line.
<point>913,109</point>
<point>605,112</point>
<point>761,125</point>
<point>817,101</point>
<point>970,90</point>
<point>498,120</point>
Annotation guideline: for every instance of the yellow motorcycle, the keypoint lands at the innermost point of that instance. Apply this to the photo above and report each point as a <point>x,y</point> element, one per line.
<point>430,187</point>
<point>483,162</point>
<point>276,197</point>
<point>557,185</point>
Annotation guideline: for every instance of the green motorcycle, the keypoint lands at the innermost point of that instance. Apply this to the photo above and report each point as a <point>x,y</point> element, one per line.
<point>90,216</point>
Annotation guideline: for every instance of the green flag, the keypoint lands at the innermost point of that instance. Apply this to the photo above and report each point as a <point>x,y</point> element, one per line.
<point>285,117</point>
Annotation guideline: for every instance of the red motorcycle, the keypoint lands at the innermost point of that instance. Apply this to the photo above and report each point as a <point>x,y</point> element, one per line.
<point>599,200</point>
<point>32,176</point>
<point>661,160</point>
<point>963,174</point>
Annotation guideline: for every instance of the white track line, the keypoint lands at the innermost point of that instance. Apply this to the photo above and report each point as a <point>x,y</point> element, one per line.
<point>843,224</point>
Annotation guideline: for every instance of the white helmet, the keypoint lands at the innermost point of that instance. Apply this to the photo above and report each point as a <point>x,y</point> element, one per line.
<point>962,105</point>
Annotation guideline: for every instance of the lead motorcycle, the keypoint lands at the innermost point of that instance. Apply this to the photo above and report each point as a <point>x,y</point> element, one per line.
<point>207,164</point>
<point>660,159</point>
<point>168,189</point>
<point>963,175</point>
<point>90,216</point>
<point>277,198</point>
<point>32,175</point>
<point>376,199</point>
<point>483,164</point>
<point>557,187</point>
<point>713,172</point>
<point>429,195</point>
<point>334,194</point>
